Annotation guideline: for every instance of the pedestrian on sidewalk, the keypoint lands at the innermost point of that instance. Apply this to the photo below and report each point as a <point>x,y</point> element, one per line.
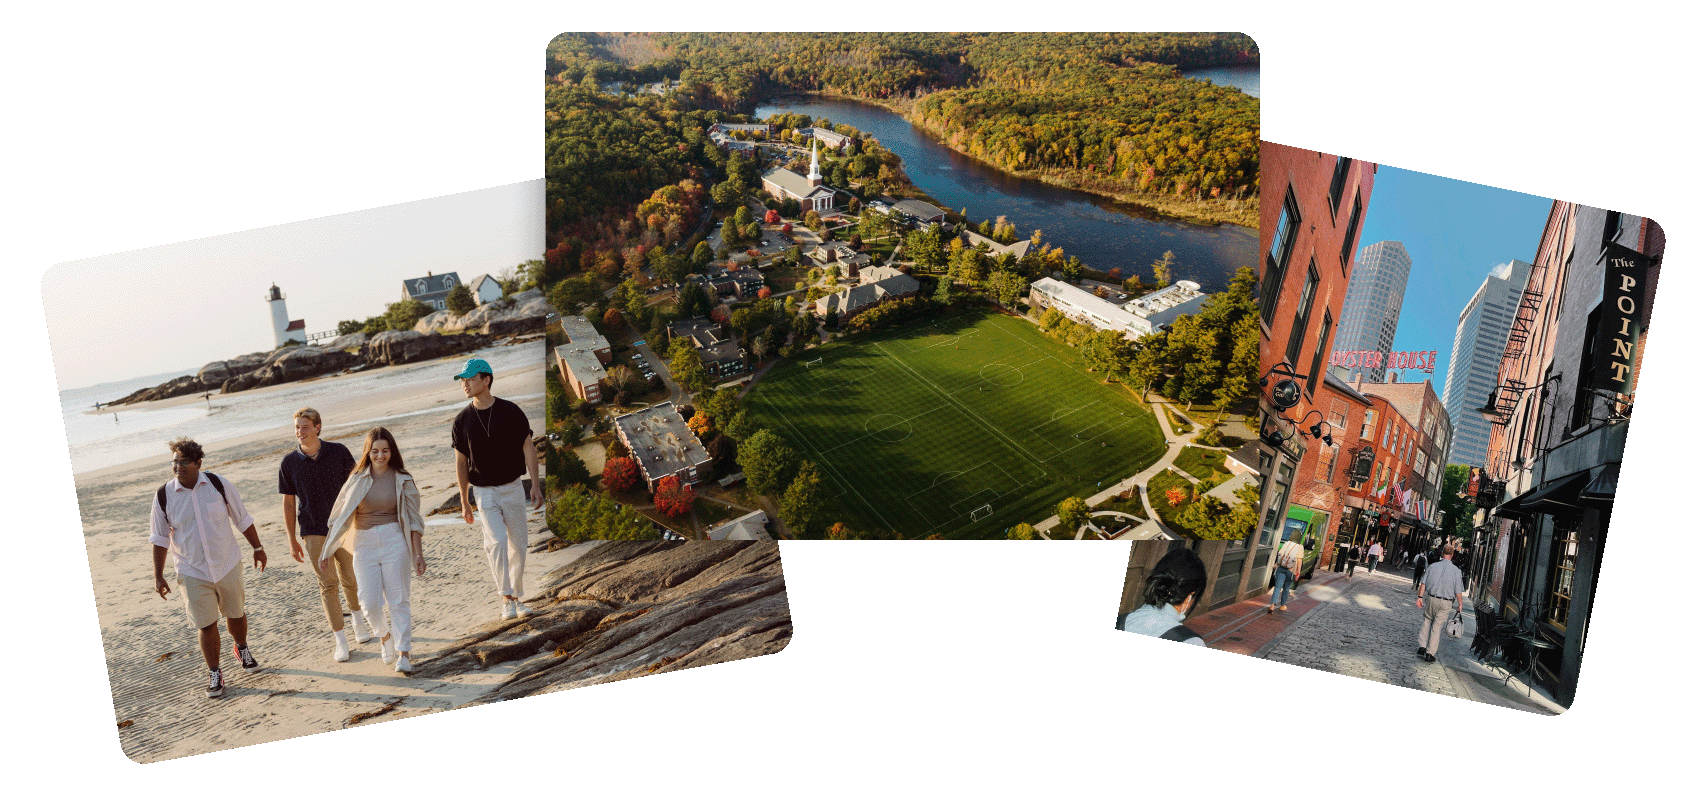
<point>1286,566</point>
<point>1352,560</point>
<point>1417,567</point>
<point>1375,552</point>
<point>1440,593</point>
<point>1171,590</point>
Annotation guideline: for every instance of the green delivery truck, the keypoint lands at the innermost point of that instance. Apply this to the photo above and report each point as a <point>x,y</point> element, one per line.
<point>1307,527</point>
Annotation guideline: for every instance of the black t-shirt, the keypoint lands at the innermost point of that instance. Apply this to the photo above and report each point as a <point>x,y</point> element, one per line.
<point>315,484</point>
<point>493,441</point>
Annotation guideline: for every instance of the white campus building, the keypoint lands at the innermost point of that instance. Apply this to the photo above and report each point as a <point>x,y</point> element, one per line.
<point>1137,318</point>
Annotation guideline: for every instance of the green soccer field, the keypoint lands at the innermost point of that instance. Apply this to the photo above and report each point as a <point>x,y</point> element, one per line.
<point>962,427</point>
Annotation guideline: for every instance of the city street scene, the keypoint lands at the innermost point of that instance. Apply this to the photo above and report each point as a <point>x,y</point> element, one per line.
<point>1447,377</point>
<point>902,285</point>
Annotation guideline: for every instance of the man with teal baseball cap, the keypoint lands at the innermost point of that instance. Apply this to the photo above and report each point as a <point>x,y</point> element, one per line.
<point>493,450</point>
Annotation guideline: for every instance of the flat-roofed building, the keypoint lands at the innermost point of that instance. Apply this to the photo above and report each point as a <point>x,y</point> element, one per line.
<point>582,360</point>
<point>1140,317</point>
<point>662,445</point>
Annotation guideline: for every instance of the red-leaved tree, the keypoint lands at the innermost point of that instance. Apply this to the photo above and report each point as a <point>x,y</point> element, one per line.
<point>673,499</point>
<point>620,474</point>
<point>1175,496</point>
<point>764,292</point>
<point>771,218</point>
<point>613,319</point>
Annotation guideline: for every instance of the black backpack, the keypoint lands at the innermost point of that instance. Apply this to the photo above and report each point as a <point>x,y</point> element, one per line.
<point>1179,633</point>
<point>218,485</point>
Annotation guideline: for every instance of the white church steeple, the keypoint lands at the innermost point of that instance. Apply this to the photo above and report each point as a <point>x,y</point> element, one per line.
<point>814,165</point>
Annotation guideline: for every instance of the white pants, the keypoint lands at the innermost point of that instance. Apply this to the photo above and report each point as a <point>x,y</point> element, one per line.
<point>383,569</point>
<point>501,511</point>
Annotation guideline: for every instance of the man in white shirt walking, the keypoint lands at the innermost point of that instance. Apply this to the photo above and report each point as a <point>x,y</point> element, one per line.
<point>1375,553</point>
<point>193,514</point>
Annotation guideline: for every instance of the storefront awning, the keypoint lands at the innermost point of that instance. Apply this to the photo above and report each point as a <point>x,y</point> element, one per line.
<point>1558,496</point>
<point>1603,488</point>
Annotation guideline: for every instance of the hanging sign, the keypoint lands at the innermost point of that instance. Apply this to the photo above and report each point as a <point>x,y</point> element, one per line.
<point>1621,320</point>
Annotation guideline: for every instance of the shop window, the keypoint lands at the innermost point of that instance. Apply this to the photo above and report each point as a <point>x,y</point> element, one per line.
<point>1564,546</point>
<point>1301,317</point>
<point>1322,341</point>
<point>1337,185</point>
<point>1280,252</point>
<point>1351,232</point>
<point>1582,409</point>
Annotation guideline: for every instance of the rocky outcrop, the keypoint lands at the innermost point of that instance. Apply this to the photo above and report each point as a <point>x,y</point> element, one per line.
<point>513,327</point>
<point>352,341</point>
<point>407,346</point>
<point>437,321</point>
<point>214,375</point>
<point>185,385</point>
<point>630,608</point>
<point>291,364</point>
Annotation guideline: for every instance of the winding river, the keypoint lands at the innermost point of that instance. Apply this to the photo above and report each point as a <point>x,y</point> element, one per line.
<point>1104,233</point>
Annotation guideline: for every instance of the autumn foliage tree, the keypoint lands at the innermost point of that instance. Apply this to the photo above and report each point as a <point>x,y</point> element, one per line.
<point>701,424</point>
<point>673,498</point>
<point>1175,496</point>
<point>613,319</point>
<point>620,474</point>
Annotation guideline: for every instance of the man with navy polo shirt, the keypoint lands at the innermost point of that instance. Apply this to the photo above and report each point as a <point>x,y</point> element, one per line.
<point>493,450</point>
<point>310,477</point>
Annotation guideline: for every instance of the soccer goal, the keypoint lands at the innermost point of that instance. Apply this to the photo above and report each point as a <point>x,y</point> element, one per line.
<point>816,361</point>
<point>980,512</point>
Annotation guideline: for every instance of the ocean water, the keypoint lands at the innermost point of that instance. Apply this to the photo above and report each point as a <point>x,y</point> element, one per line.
<point>101,439</point>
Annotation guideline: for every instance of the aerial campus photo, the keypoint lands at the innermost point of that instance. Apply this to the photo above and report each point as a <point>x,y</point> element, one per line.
<point>308,485</point>
<point>1447,381</point>
<point>830,286</point>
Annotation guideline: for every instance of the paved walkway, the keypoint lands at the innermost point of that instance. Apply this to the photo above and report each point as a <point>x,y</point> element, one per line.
<point>1176,445</point>
<point>1366,627</point>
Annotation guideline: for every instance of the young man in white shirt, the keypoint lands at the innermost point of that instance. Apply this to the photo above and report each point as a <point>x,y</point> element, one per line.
<point>192,518</point>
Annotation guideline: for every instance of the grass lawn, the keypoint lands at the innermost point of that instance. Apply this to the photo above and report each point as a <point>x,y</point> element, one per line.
<point>711,513</point>
<point>1205,464</point>
<point>963,427</point>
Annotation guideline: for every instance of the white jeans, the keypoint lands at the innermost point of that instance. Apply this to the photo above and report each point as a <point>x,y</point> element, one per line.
<point>383,569</point>
<point>501,511</point>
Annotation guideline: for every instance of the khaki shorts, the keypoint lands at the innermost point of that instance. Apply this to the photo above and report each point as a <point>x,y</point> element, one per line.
<point>206,600</point>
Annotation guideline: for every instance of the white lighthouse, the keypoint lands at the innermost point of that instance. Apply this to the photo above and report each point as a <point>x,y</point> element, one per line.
<point>284,330</point>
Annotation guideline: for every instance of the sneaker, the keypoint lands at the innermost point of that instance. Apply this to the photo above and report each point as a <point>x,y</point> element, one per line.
<point>339,650</point>
<point>216,689</point>
<point>521,609</point>
<point>1283,607</point>
<point>1422,651</point>
<point>249,664</point>
<point>403,665</point>
<point>389,653</point>
<point>362,633</point>
<point>508,610</point>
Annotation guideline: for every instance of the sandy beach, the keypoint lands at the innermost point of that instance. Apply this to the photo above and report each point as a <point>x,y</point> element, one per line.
<point>156,671</point>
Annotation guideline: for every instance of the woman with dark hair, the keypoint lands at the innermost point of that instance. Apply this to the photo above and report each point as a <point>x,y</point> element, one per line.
<point>1171,590</point>
<point>380,505</point>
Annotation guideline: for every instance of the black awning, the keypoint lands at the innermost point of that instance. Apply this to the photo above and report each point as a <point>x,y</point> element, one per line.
<point>1558,496</point>
<point>1603,488</point>
<point>1513,507</point>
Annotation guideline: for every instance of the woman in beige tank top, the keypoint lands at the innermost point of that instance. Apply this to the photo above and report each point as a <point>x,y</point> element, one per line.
<point>378,514</point>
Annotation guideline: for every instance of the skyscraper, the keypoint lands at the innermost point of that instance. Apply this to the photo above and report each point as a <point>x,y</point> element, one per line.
<point>1370,315</point>
<point>1476,349</point>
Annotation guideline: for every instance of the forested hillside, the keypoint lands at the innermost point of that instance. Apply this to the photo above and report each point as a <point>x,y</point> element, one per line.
<point>1105,112</point>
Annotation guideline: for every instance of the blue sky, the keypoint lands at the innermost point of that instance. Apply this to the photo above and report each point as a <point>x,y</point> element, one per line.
<point>1456,233</point>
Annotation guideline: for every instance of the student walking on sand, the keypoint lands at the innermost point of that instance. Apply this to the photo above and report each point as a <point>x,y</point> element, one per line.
<point>377,513</point>
<point>310,477</point>
<point>193,513</point>
<point>492,443</point>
